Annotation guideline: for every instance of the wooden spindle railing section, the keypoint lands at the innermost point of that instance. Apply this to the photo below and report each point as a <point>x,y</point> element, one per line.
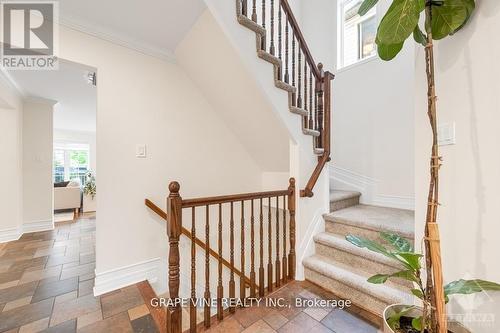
<point>285,41</point>
<point>280,219</point>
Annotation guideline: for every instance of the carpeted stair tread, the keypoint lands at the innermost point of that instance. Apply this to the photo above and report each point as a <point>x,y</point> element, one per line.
<point>376,218</point>
<point>356,279</point>
<point>338,243</point>
<point>339,195</point>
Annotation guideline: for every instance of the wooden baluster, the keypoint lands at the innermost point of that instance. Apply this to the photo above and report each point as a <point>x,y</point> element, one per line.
<point>254,11</point>
<point>174,227</point>
<point>285,262</point>
<point>207,269</point>
<point>232,292</point>
<point>287,74</point>
<point>320,117</point>
<point>294,96</point>
<point>280,45</point>
<point>305,88</point>
<point>252,252</point>
<point>244,7</point>
<point>263,38</point>
<point>271,48</point>
<point>311,108</point>
<point>261,267</point>
<point>269,248</point>
<point>278,262</point>
<point>220,288</point>
<point>299,88</point>
<point>291,209</point>
<point>192,307</point>
<point>242,256</point>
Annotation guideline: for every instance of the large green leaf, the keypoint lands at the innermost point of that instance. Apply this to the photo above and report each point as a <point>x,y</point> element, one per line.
<point>382,278</point>
<point>389,52</point>
<point>413,259</point>
<point>466,287</point>
<point>470,5</point>
<point>398,242</point>
<point>448,17</point>
<point>399,22</point>
<point>378,279</point>
<point>366,6</point>
<point>370,245</point>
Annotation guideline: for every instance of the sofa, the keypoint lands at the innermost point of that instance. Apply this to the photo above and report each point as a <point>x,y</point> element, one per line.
<point>68,197</point>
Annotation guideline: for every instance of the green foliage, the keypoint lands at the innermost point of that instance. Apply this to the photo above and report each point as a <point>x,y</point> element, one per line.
<point>466,287</point>
<point>403,252</point>
<point>393,321</point>
<point>401,20</point>
<point>90,186</point>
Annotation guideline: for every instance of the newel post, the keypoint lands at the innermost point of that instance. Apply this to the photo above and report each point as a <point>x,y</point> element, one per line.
<point>291,209</point>
<point>174,225</point>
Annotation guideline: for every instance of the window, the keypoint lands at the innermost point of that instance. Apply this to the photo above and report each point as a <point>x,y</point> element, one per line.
<point>357,33</point>
<point>71,161</point>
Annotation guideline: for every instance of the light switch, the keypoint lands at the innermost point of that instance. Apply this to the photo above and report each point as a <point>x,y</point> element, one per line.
<point>140,151</point>
<point>446,134</point>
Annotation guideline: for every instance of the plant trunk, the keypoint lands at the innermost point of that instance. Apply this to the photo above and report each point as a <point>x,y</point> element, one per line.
<point>434,290</point>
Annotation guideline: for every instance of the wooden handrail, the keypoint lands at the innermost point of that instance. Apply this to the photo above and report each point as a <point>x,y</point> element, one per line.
<point>198,241</point>
<point>187,203</point>
<point>325,157</point>
<point>302,41</point>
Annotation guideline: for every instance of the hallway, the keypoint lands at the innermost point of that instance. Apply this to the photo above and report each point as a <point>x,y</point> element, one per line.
<point>46,282</point>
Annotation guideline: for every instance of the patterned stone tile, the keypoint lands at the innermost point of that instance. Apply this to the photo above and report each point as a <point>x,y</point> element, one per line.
<point>55,288</point>
<point>65,327</point>
<point>25,314</point>
<point>40,274</point>
<point>138,312</point>
<point>118,323</point>
<point>17,303</point>
<point>259,327</point>
<point>122,300</point>
<point>36,326</point>
<point>303,323</point>
<point>73,309</point>
<point>342,321</point>
<point>275,319</point>
<point>16,292</point>
<point>85,288</point>
<point>77,270</point>
<point>89,318</point>
<point>144,324</point>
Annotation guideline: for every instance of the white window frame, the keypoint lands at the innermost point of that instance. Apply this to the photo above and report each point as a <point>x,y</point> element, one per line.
<point>340,35</point>
<point>67,147</point>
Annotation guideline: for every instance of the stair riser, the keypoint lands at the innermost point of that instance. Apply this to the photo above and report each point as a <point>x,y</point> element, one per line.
<point>345,229</point>
<point>343,291</point>
<point>353,260</point>
<point>341,204</point>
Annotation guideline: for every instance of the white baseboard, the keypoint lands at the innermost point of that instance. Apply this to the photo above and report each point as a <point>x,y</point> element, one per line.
<point>9,235</point>
<point>343,179</point>
<point>36,226</point>
<point>108,281</point>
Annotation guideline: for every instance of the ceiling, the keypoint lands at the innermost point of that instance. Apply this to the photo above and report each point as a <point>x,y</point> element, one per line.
<point>77,99</point>
<point>154,27</point>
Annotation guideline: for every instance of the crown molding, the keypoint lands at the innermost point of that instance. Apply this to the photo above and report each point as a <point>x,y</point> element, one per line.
<point>118,39</point>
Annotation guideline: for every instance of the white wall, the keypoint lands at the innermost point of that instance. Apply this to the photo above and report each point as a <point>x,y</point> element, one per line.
<point>467,75</point>
<point>37,165</point>
<point>143,100</point>
<point>213,64</point>
<point>10,162</point>
<point>372,124</point>
<point>69,136</point>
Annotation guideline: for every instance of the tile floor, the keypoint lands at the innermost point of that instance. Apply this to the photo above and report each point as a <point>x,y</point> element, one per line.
<point>46,282</point>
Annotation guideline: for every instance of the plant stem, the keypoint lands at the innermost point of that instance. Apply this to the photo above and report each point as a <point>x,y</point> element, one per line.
<point>434,291</point>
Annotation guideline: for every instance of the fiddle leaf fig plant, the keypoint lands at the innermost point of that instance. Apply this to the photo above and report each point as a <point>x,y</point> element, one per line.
<point>425,21</point>
<point>401,250</point>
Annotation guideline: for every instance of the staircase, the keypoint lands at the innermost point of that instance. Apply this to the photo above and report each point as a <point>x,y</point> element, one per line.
<point>343,268</point>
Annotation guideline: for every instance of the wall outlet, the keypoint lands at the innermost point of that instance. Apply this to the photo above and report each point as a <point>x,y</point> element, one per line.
<point>140,151</point>
<point>446,134</point>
